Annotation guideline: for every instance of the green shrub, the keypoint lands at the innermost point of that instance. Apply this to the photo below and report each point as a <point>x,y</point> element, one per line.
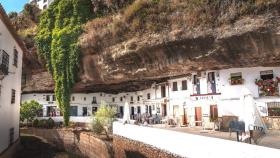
<point>97,126</point>
<point>103,119</point>
<point>43,123</point>
<point>35,123</point>
<point>50,123</point>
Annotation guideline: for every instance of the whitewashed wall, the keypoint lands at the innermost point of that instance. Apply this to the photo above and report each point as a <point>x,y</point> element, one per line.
<point>192,146</point>
<point>9,113</point>
<point>41,3</point>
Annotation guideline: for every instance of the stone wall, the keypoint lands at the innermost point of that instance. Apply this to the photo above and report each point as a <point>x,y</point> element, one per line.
<point>272,122</point>
<point>81,143</point>
<point>126,148</point>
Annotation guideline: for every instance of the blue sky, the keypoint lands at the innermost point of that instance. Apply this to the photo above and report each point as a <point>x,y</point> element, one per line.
<point>13,5</point>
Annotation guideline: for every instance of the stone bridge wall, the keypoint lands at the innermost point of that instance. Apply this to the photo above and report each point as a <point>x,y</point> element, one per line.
<point>82,143</point>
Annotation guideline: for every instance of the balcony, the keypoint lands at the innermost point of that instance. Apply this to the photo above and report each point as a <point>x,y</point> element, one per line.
<point>4,63</point>
<point>268,87</point>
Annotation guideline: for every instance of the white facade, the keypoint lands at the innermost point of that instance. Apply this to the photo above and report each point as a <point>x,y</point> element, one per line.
<point>42,4</point>
<point>196,98</point>
<point>10,84</point>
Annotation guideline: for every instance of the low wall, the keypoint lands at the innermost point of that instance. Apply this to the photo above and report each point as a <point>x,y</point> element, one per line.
<point>189,145</point>
<point>272,122</point>
<point>126,148</point>
<point>82,143</point>
<point>82,119</point>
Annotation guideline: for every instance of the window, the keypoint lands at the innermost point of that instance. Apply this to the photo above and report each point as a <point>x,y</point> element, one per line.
<point>73,111</point>
<point>12,133</point>
<point>184,85</point>
<point>236,78</point>
<point>211,77</point>
<point>138,110</point>
<point>51,111</point>
<point>195,79</point>
<point>273,108</point>
<point>45,7</point>
<point>163,93</point>
<point>73,98</point>
<point>48,98</point>
<point>121,99</point>
<point>148,96</point>
<point>54,98</point>
<point>85,98</point>
<point>138,98</point>
<point>266,75</point>
<point>4,62</point>
<point>15,58</point>
<point>94,100</point>
<point>175,87</point>
<point>94,110</point>
<point>13,98</point>
<point>45,1</point>
<point>113,99</point>
<point>131,98</point>
<point>84,111</point>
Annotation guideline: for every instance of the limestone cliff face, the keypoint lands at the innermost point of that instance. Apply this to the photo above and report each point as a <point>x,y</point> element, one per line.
<point>131,59</point>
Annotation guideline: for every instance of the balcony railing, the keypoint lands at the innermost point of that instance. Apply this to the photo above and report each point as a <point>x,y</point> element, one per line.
<point>4,63</point>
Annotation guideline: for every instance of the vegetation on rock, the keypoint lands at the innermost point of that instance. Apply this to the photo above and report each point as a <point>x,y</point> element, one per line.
<point>57,42</point>
<point>144,17</point>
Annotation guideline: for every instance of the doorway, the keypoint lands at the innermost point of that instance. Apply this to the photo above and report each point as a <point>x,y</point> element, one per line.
<point>132,113</point>
<point>213,113</point>
<point>198,117</point>
<point>164,110</point>
<point>150,110</point>
<point>185,119</point>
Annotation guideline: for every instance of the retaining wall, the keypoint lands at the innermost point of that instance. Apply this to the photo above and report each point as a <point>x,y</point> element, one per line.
<point>82,143</point>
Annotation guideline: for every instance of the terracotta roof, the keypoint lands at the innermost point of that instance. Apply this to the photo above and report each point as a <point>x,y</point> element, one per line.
<point>4,17</point>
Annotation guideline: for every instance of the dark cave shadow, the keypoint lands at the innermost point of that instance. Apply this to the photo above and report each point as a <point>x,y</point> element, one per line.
<point>134,154</point>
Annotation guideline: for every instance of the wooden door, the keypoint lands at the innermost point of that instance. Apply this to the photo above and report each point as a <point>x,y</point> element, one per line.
<point>213,113</point>
<point>185,119</point>
<point>164,110</point>
<point>198,116</point>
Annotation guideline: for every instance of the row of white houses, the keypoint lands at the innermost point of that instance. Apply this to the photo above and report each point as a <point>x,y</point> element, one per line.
<point>191,99</point>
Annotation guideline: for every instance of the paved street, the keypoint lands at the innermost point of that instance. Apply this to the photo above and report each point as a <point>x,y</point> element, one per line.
<point>271,139</point>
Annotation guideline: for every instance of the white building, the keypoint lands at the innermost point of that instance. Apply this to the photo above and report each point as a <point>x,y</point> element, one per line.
<point>42,4</point>
<point>11,53</point>
<point>193,99</point>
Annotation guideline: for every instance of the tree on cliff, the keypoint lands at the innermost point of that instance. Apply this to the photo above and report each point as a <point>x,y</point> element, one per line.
<point>57,42</point>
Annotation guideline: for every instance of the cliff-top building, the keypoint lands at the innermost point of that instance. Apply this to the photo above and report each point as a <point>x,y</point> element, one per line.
<point>11,53</point>
<point>42,4</point>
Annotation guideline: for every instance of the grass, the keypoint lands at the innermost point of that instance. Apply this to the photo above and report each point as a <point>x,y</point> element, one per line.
<point>155,16</point>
